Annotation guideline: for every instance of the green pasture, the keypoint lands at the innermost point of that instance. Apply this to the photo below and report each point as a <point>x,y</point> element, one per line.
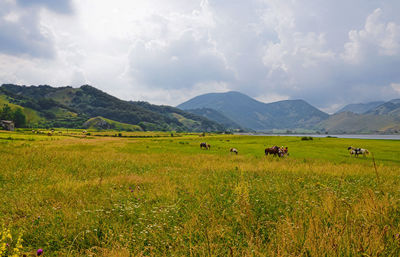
<point>318,149</point>
<point>153,194</point>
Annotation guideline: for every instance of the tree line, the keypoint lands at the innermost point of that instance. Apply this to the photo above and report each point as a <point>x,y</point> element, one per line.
<point>16,115</point>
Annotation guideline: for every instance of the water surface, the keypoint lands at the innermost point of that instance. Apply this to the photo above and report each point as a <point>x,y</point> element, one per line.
<point>357,136</point>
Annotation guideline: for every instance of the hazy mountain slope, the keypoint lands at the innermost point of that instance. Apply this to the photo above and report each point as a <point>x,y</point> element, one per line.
<point>71,107</point>
<point>234,105</point>
<point>348,122</point>
<point>383,118</point>
<point>214,115</point>
<point>296,114</point>
<point>250,113</point>
<point>391,108</point>
<point>198,123</point>
<point>360,107</point>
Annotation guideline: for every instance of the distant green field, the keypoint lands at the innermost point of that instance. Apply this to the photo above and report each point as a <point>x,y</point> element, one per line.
<point>159,194</point>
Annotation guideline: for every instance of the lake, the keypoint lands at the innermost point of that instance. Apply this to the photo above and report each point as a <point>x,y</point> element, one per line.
<point>357,136</point>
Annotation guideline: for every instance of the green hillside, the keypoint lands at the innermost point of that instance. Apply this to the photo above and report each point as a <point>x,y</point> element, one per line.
<point>32,116</point>
<point>45,111</point>
<point>103,123</point>
<point>72,107</point>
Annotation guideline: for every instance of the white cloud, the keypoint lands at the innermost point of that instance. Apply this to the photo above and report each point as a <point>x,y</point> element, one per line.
<point>329,53</point>
<point>270,98</point>
<point>396,87</point>
<point>177,96</point>
<point>376,38</point>
<point>12,17</point>
<point>178,63</point>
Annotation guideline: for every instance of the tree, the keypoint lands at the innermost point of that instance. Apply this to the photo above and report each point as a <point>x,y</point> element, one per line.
<point>6,113</point>
<point>19,118</point>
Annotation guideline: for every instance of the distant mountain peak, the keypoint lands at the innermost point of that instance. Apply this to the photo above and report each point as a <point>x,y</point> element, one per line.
<point>391,108</point>
<point>360,108</point>
<point>256,115</point>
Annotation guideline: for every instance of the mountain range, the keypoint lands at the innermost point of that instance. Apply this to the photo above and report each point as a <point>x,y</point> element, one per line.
<point>252,114</point>
<point>372,117</point>
<point>246,112</point>
<point>217,116</point>
<point>46,106</point>
<point>391,108</point>
<point>88,107</point>
<point>360,108</point>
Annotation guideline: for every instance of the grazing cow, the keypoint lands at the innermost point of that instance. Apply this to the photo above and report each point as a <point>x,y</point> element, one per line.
<point>234,150</point>
<point>204,145</point>
<point>275,150</point>
<point>284,151</point>
<point>363,151</point>
<point>352,151</point>
<point>357,151</point>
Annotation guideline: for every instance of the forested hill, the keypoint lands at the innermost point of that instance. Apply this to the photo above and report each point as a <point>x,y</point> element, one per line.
<point>71,107</point>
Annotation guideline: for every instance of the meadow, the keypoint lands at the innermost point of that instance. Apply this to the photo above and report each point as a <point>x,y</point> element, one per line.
<point>154,194</point>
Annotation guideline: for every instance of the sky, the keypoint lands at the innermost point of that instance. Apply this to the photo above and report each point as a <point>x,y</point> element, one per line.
<point>329,53</point>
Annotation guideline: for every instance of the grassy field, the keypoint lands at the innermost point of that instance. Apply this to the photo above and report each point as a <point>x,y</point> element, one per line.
<point>153,194</point>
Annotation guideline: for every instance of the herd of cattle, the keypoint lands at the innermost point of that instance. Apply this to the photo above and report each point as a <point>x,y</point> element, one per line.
<point>275,150</point>
<point>357,151</point>
<point>282,151</point>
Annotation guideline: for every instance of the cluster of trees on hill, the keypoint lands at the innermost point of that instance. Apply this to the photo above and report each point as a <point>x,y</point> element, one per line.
<point>72,107</point>
<point>97,103</point>
<point>16,115</point>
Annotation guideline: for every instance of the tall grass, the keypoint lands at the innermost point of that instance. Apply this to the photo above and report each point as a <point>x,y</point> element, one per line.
<point>111,196</point>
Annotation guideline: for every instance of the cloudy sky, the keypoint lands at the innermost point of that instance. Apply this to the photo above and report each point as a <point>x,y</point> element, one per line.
<point>329,52</point>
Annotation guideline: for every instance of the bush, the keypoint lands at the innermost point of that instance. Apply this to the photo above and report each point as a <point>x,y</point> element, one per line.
<point>307,138</point>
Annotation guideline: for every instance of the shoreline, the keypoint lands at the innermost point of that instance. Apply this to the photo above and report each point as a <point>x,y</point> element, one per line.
<point>353,136</point>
